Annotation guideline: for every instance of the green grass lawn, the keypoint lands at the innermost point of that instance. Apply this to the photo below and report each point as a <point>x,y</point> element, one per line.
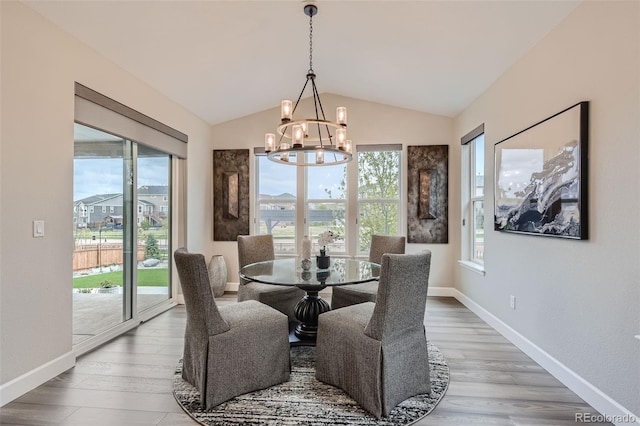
<point>146,278</point>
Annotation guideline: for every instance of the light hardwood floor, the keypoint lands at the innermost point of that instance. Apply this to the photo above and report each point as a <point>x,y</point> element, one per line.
<point>128,380</point>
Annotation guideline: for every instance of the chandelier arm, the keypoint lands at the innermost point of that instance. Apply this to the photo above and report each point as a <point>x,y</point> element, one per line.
<point>318,103</point>
<point>300,95</point>
<point>316,95</point>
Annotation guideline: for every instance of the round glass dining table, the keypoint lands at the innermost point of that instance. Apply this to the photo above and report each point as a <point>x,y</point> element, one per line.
<point>289,272</point>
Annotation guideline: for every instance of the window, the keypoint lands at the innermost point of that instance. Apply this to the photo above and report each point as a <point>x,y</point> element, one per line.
<point>111,209</point>
<point>378,193</point>
<point>104,209</point>
<point>296,201</point>
<point>276,195</point>
<point>473,196</point>
<point>326,201</point>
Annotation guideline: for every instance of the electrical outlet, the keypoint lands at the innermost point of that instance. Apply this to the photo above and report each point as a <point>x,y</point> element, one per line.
<point>512,302</point>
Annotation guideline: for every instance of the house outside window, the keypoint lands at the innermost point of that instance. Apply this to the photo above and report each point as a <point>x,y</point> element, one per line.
<point>473,197</point>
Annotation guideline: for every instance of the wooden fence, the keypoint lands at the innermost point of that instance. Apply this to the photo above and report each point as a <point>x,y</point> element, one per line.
<point>93,255</point>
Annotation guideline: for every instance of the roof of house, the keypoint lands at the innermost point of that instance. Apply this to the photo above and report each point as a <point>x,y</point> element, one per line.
<point>153,190</point>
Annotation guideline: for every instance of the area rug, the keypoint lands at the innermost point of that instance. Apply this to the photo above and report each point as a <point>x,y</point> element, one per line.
<point>303,400</point>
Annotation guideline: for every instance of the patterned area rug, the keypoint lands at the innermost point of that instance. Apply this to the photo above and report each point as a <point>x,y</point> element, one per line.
<point>303,400</point>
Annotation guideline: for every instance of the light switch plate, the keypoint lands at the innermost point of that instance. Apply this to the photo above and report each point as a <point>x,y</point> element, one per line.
<point>38,228</point>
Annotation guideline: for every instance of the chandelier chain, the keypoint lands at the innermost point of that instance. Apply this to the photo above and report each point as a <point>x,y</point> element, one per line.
<point>311,43</point>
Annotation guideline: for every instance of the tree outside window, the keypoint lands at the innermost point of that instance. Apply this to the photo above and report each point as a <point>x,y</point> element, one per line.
<point>378,195</point>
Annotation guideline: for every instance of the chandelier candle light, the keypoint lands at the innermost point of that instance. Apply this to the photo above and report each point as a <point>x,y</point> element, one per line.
<point>325,141</point>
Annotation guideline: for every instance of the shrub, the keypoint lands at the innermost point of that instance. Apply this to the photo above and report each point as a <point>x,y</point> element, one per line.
<point>151,249</point>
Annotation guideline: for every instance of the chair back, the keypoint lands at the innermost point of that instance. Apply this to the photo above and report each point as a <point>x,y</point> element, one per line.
<point>402,296</point>
<point>381,244</point>
<point>254,248</point>
<point>203,317</point>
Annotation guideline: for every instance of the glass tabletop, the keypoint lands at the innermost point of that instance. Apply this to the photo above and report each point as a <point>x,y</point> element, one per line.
<point>288,272</point>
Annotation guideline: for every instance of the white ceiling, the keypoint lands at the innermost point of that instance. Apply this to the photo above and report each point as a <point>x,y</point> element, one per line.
<point>226,59</point>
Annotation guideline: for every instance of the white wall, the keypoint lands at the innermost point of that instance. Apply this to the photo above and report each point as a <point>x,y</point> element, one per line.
<point>577,300</point>
<point>369,123</point>
<point>39,66</point>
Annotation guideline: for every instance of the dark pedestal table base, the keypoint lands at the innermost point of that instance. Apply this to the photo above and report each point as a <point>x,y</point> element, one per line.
<point>307,311</point>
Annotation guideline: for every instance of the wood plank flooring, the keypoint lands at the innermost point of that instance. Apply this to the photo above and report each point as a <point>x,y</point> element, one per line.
<point>128,380</point>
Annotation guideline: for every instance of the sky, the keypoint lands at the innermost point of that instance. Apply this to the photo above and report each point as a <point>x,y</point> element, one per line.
<point>105,176</point>
<point>93,176</point>
<point>276,179</point>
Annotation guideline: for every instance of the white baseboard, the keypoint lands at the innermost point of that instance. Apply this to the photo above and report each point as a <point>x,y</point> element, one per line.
<point>442,292</point>
<point>611,410</point>
<point>34,378</point>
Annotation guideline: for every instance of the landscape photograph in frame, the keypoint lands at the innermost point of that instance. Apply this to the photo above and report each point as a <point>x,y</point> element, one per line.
<point>541,177</point>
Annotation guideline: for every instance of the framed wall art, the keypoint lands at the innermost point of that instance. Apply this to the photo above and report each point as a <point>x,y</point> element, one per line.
<point>230,194</point>
<point>428,194</point>
<point>541,183</point>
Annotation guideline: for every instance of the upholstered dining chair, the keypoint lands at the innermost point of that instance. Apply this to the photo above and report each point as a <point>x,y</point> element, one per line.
<point>258,248</point>
<point>358,293</point>
<point>228,350</point>
<point>377,352</point>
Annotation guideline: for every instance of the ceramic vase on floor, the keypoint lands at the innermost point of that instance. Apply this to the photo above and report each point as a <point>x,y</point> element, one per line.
<point>217,275</point>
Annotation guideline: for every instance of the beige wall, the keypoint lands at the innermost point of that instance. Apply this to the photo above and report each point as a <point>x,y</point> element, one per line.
<point>39,66</point>
<point>369,123</point>
<point>577,300</point>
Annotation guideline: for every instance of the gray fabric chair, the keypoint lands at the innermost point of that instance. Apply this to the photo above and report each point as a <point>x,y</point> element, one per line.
<point>228,350</point>
<point>258,248</point>
<point>377,352</point>
<point>348,295</point>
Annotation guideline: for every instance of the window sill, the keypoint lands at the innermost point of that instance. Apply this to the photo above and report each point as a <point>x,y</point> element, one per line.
<point>472,266</point>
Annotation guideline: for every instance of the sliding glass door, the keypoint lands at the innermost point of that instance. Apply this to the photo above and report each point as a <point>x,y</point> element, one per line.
<point>122,242</point>
<point>153,222</point>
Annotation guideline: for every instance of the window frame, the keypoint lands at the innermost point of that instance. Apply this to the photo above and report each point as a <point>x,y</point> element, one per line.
<point>470,198</point>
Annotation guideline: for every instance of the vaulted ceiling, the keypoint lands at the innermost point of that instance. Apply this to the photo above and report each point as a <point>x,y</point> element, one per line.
<point>226,59</point>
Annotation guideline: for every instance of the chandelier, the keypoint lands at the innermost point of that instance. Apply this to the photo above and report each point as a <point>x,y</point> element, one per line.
<point>309,141</point>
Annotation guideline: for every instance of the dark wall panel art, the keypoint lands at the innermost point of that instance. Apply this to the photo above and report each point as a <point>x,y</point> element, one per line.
<point>230,194</point>
<point>428,194</point>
